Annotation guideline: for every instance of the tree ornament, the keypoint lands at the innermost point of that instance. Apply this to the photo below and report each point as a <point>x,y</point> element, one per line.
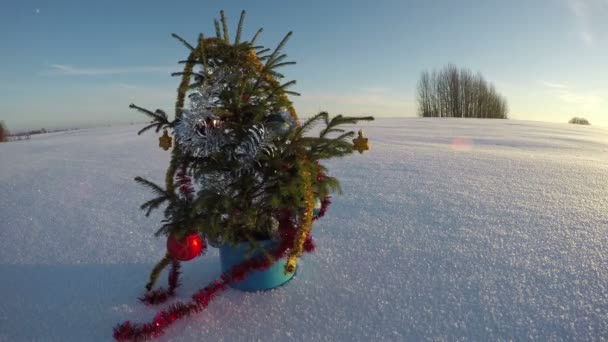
<point>360,143</point>
<point>186,248</point>
<point>208,123</point>
<point>317,207</point>
<point>320,174</point>
<point>164,141</point>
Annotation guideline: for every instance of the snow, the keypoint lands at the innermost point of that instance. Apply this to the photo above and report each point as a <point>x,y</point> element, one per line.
<point>448,229</point>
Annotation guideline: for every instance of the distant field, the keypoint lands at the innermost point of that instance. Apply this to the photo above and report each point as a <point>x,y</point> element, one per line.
<point>448,229</point>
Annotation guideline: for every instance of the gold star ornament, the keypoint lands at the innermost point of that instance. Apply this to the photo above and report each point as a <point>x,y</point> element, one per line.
<point>164,142</point>
<point>360,143</point>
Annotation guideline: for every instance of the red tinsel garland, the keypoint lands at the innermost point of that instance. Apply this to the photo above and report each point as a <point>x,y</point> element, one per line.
<point>128,331</point>
<point>161,295</point>
<point>185,185</point>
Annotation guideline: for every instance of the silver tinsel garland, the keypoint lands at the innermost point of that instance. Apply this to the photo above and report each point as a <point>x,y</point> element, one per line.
<point>198,131</point>
<point>201,133</point>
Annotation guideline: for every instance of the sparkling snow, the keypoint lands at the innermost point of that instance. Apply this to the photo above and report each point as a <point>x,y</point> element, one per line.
<point>448,229</point>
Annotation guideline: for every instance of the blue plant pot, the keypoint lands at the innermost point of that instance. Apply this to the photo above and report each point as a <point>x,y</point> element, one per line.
<point>267,279</point>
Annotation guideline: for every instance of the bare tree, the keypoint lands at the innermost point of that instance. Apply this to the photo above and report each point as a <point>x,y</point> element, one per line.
<point>453,92</point>
<point>424,95</point>
<point>453,79</point>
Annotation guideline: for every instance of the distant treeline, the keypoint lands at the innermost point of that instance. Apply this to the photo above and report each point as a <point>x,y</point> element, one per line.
<point>5,135</point>
<point>27,135</point>
<point>458,93</point>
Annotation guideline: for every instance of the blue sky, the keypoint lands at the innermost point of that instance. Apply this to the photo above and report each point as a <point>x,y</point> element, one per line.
<point>75,63</point>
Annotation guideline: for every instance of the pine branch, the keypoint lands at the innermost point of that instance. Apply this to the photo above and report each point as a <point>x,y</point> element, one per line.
<point>158,115</point>
<point>256,35</point>
<point>218,33</point>
<point>195,85</point>
<point>283,87</point>
<point>310,123</point>
<point>287,84</point>
<point>275,60</point>
<point>224,26</point>
<point>158,127</point>
<point>193,62</point>
<point>277,50</point>
<point>324,147</point>
<point>183,41</point>
<point>155,188</point>
<point>333,184</point>
<point>292,93</point>
<point>334,130</point>
<point>263,51</point>
<point>267,66</point>
<point>344,136</point>
<point>343,120</point>
<point>163,230</point>
<point>159,118</point>
<point>201,46</point>
<point>239,29</point>
<point>276,74</point>
<point>181,73</point>
<point>334,150</point>
<point>274,66</point>
<point>153,204</point>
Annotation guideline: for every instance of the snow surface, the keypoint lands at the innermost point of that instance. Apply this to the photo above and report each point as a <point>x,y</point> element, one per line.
<point>448,229</point>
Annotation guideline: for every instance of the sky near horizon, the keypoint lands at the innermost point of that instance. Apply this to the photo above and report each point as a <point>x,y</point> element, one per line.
<point>78,63</point>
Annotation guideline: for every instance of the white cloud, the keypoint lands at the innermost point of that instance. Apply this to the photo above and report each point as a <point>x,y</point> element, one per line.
<point>553,85</point>
<point>68,70</point>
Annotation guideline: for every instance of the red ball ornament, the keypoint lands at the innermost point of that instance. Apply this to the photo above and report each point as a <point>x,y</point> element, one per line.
<point>187,248</point>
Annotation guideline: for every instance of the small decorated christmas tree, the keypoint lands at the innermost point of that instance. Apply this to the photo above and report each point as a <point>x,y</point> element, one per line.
<point>244,171</point>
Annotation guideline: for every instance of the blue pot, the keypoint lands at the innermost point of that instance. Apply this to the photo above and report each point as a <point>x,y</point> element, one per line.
<point>267,279</point>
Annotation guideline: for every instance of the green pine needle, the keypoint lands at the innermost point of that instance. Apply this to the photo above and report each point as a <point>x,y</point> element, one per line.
<point>256,35</point>
<point>218,33</point>
<point>224,27</point>
<point>183,41</point>
<point>155,188</point>
<point>237,39</point>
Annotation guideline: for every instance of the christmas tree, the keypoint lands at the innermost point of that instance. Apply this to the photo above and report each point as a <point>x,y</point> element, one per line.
<point>243,167</point>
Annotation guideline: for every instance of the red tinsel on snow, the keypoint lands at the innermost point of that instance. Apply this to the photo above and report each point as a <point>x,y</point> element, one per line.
<point>164,318</point>
<point>161,295</point>
<point>309,244</point>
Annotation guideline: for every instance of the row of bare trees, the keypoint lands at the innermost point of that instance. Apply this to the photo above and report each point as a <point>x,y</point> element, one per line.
<point>458,93</point>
